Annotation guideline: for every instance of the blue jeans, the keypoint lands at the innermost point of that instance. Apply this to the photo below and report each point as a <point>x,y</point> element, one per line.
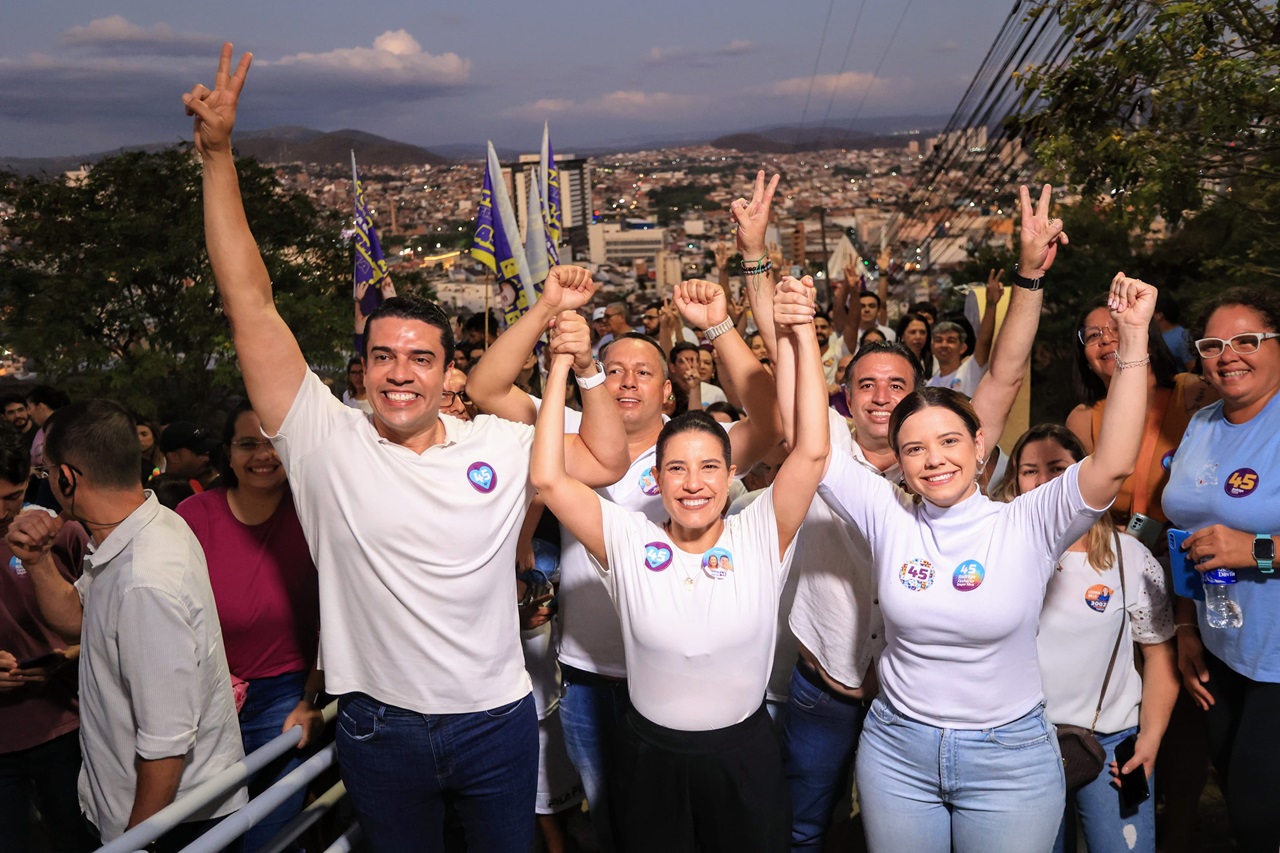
<point>266,706</point>
<point>591,712</point>
<point>47,772</point>
<point>1098,804</point>
<point>932,790</point>
<point>819,737</point>
<point>401,767</point>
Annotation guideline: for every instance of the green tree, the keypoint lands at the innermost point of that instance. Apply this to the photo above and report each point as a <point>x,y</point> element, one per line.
<point>1171,109</point>
<point>106,285</point>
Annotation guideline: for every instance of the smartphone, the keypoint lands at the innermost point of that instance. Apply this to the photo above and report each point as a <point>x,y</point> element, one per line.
<point>41,661</point>
<point>1145,529</point>
<point>1134,789</point>
<point>1186,580</point>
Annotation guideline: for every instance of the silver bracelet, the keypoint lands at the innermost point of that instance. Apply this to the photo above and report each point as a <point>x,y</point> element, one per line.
<point>1124,365</point>
<point>713,332</point>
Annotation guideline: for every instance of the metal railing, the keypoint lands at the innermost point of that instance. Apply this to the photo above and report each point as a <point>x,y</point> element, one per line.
<point>236,824</point>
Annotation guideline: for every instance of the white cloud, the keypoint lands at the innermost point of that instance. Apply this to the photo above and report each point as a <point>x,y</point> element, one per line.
<point>697,56</point>
<point>117,35</point>
<point>623,104</point>
<point>395,58</point>
<point>849,84</point>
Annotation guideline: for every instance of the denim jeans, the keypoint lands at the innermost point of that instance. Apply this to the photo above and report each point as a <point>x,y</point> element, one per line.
<point>401,767</point>
<point>591,711</point>
<point>268,703</point>
<point>819,737</point>
<point>49,771</point>
<point>1108,829</point>
<point>932,790</point>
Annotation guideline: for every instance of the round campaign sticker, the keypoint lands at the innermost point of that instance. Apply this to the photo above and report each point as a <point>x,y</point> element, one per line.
<point>657,556</point>
<point>717,563</point>
<point>916,575</point>
<point>482,477</point>
<point>1241,483</point>
<point>1166,461</point>
<point>968,575</point>
<point>1098,597</point>
<point>15,566</point>
<point>649,481</point>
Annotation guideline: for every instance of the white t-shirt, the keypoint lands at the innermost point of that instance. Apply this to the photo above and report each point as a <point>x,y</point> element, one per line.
<point>699,640</point>
<point>961,589</point>
<point>363,405</point>
<point>1078,628</point>
<point>712,394</point>
<point>416,553</point>
<point>590,634</point>
<point>835,613</point>
<point>964,378</point>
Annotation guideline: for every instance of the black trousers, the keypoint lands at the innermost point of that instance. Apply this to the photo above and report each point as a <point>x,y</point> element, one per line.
<point>709,791</point>
<point>1244,745</point>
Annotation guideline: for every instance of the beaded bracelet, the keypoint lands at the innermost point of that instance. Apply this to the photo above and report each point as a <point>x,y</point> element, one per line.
<point>1142,362</point>
<point>759,269</point>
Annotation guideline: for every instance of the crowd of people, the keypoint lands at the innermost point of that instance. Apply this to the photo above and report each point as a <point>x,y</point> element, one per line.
<point>705,566</point>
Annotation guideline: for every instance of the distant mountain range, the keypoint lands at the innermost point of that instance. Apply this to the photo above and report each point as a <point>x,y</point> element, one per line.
<point>302,144</point>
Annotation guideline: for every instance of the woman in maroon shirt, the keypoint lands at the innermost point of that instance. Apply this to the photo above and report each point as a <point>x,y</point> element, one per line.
<point>267,593</point>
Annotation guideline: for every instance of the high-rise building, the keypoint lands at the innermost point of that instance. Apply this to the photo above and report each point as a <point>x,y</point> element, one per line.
<point>576,206</point>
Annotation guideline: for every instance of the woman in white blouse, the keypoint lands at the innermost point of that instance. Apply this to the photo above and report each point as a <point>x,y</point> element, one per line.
<point>700,767</point>
<point>1087,606</point>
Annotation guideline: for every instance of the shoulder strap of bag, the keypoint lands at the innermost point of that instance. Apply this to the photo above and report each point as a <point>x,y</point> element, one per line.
<point>1124,624</point>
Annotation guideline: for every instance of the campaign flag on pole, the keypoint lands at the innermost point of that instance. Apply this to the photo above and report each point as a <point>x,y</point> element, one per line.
<point>539,249</point>
<point>371,282</point>
<point>551,188</point>
<point>497,243</point>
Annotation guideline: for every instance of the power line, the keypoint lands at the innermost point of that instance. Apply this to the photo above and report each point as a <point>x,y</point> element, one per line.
<point>814,76</point>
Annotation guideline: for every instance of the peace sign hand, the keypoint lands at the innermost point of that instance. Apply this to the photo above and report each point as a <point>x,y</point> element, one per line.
<point>215,111</point>
<point>753,217</point>
<point>1041,235</point>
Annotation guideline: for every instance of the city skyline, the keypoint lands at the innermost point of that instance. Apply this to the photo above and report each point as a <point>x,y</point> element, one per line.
<point>93,76</point>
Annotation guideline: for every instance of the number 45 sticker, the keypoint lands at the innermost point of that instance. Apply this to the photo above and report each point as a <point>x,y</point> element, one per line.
<point>1241,483</point>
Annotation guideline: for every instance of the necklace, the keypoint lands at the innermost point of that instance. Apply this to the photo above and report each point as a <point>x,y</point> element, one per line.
<point>689,580</point>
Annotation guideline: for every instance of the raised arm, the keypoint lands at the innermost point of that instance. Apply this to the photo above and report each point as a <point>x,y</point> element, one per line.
<point>577,507</point>
<point>800,361</point>
<point>597,455</point>
<point>491,383</point>
<point>753,223</point>
<point>741,372</point>
<point>1132,303</point>
<point>31,536</point>
<point>987,328</point>
<point>272,363</point>
<point>1011,353</point>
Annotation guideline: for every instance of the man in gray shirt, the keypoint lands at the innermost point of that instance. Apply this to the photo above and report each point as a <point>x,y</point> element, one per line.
<point>156,708</point>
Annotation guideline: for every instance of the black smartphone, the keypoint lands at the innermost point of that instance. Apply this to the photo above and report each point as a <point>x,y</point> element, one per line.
<point>40,662</point>
<point>1134,789</point>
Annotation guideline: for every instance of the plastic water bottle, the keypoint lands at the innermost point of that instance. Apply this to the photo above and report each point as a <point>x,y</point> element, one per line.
<point>1221,608</point>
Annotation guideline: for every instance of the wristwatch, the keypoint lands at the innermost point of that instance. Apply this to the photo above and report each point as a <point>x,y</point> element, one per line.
<point>591,381</point>
<point>1264,551</point>
<point>713,332</point>
<point>1022,281</point>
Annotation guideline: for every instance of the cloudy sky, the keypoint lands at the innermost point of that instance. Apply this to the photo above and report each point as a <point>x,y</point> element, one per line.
<point>78,76</point>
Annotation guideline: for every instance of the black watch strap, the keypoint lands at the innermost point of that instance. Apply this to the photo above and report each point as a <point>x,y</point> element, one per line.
<point>1020,280</point>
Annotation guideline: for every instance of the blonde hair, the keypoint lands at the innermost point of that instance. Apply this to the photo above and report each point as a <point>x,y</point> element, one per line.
<point>1098,540</point>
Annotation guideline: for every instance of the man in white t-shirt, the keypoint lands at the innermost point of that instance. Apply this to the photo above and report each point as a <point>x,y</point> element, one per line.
<point>950,341</point>
<point>412,519</point>
<point>592,662</point>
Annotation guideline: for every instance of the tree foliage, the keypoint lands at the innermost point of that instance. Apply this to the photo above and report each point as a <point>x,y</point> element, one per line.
<point>106,285</point>
<point>1167,103</point>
